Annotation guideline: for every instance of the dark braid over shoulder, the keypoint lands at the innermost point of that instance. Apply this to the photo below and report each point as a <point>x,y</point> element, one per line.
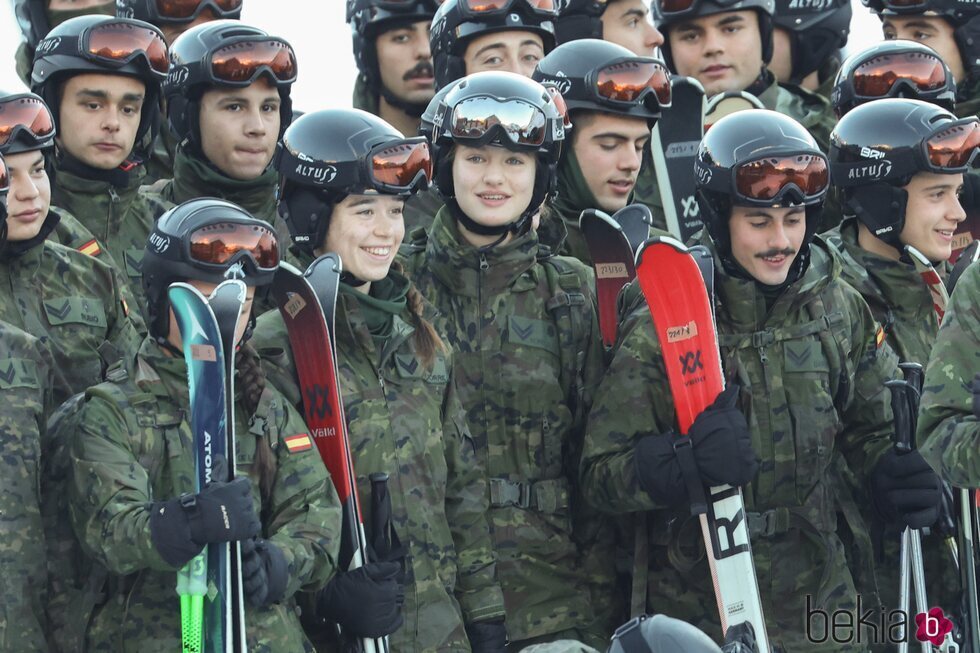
<point>251,380</point>
<point>427,340</point>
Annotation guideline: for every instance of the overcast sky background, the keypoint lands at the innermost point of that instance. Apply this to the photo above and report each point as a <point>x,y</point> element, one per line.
<point>316,29</point>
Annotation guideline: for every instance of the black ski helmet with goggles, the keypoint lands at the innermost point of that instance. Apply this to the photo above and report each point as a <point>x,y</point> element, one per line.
<point>817,31</point>
<point>963,15</point>
<point>457,22</point>
<point>204,239</point>
<point>506,110</point>
<point>878,147</point>
<point>327,155</point>
<point>224,54</point>
<point>580,19</point>
<point>670,12</point>
<point>759,158</point>
<point>102,45</point>
<point>26,123</point>
<point>428,117</point>
<point>893,69</point>
<point>594,75</point>
<point>177,12</point>
<point>36,19</point>
<point>369,19</point>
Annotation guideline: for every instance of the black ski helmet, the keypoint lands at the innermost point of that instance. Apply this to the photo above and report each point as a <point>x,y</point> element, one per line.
<point>580,19</point>
<point>325,156</point>
<point>941,86</point>
<point>748,140</point>
<point>149,10</point>
<point>660,634</point>
<point>168,254</point>
<point>817,32</point>
<point>963,15</point>
<point>453,27</point>
<point>764,8</point>
<point>546,124</point>
<point>573,69</point>
<point>190,72</point>
<point>877,148</point>
<point>427,120</point>
<point>370,18</point>
<point>15,110</point>
<point>60,55</point>
<point>34,22</point>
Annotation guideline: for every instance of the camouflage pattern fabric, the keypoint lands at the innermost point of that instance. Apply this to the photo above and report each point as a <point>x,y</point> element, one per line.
<point>420,210</point>
<point>811,375</point>
<point>134,446</point>
<point>161,162</point>
<point>24,384</point>
<point>527,417</point>
<point>406,421</point>
<point>968,99</point>
<point>118,217</point>
<point>948,429</point>
<point>364,98</point>
<point>72,303</point>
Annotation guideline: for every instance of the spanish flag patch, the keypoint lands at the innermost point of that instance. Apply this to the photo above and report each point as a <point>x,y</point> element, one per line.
<point>91,248</point>
<point>879,338</point>
<point>297,443</point>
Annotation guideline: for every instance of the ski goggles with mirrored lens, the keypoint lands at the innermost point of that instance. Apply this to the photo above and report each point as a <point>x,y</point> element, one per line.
<point>26,118</point>
<point>481,119</point>
<point>953,148</point>
<point>184,11</point>
<point>560,105</point>
<point>878,76</point>
<point>224,243</point>
<point>115,44</point>
<point>474,8</point>
<point>629,81</point>
<point>798,178</point>
<point>402,166</point>
<point>241,63</point>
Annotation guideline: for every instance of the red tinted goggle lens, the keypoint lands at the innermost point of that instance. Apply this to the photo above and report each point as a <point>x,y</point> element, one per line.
<point>877,76</point>
<point>218,243</point>
<point>122,41</point>
<point>765,178</point>
<point>189,8</point>
<point>241,62</point>
<point>954,147</point>
<point>627,81</point>
<point>675,6</point>
<point>480,6</point>
<point>26,113</point>
<point>559,101</point>
<point>523,123</point>
<point>398,165</point>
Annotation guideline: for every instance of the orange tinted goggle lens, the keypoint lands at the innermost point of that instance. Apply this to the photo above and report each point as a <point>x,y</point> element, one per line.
<point>954,147</point>
<point>240,61</point>
<point>500,5</point>
<point>28,113</point>
<point>765,178</point>
<point>219,243</point>
<point>876,77</point>
<point>187,8</point>
<point>398,165</point>
<point>627,80</point>
<point>120,41</point>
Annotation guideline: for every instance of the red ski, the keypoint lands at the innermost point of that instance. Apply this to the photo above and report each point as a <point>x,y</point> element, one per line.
<point>682,316</point>
<point>612,259</point>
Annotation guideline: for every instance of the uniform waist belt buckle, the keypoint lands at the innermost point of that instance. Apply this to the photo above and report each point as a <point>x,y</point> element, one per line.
<point>763,338</point>
<point>767,524</point>
<point>504,492</point>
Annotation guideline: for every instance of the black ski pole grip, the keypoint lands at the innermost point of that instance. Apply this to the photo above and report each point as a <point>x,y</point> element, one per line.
<point>900,415</point>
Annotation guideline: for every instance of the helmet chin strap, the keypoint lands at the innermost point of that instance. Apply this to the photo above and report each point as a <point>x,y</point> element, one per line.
<point>518,227</point>
<point>413,109</point>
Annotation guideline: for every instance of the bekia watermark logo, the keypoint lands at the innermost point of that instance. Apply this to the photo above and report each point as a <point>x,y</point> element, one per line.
<point>870,626</point>
<point>159,242</point>
<point>320,173</point>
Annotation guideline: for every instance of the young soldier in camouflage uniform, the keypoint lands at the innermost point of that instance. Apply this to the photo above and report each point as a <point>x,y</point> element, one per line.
<point>611,129</point>
<point>227,111</point>
<point>411,427</point>
<point>103,108</point>
<point>894,197</point>
<point>173,19</point>
<point>527,351</point>
<point>624,22</point>
<point>133,464</point>
<point>805,369</point>
<point>949,415</point>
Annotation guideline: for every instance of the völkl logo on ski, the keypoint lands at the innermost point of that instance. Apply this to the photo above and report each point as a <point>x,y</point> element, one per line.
<point>691,362</point>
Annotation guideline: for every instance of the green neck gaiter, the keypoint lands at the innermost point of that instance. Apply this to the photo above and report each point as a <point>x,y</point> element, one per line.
<point>574,195</point>
<point>387,299</point>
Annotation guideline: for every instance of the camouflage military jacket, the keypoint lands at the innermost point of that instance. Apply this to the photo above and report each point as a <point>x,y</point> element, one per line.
<point>948,429</point>
<point>406,421</point>
<point>420,210</point>
<point>899,300</point>
<point>134,446</point>
<point>161,162</point>
<point>811,377</point>
<point>118,217</point>
<point>73,304</point>
<point>25,386</point>
<point>968,99</point>
<point>526,376</point>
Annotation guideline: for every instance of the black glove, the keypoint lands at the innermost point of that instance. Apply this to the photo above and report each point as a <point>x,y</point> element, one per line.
<point>487,636</point>
<point>265,573</point>
<point>906,490</point>
<point>365,602</point>
<point>740,638</point>
<point>976,396</point>
<point>221,512</point>
<point>722,450</point>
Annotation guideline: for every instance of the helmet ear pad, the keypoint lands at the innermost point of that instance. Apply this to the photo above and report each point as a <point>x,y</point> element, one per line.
<point>306,212</point>
<point>881,208</point>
